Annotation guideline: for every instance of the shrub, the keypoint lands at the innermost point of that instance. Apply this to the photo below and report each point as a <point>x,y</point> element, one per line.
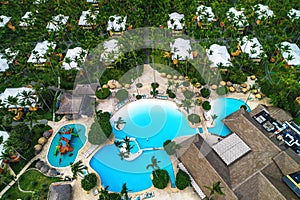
<point>188,94</point>
<point>222,90</point>
<point>160,178</point>
<point>205,92</point>
<point>186,84</point>
<point>170,147</point>
<point>182,180</point>
<point>89,182</point>
<point>154,85</point>
<point>103,93</point>
<point>206,105</point>
<point>138,96</point>
<point>101,129</point>
<point>121,94</point>
<point>194,118</point>
<point>172,95</point>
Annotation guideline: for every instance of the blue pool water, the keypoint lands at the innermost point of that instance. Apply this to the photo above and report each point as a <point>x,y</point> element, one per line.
<point>151,122</point>
<point>76,143</point>
<point>223,107</point>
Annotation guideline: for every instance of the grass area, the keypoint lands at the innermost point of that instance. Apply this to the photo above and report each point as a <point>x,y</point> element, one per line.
<point>31,180</point>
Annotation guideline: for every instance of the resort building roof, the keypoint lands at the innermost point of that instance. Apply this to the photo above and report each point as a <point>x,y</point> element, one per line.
<point>258,172</point>
<point>181,49</point>
<point>252,47</point>
<point>74,56</point>
<point>87,18</point>
<point>263,12</point>
<point>205,13</point>
<point>294,14</point>
<point>58,191</point>
<point>111,51</point>
<point>176,21</point>
<point>237,18</point>
<point>28,19</point>
<point>17,92</point>
<point>5,136</point>
<point>218,55</point>
<point>116,23</point>
<point>86,89</point>
<point>38,53</point>
<point>290,52</point>
<point>76,104</point>
<point>7,58</point>
<point>4,20</point>
<point>231,148</point>
<point>57,22</point>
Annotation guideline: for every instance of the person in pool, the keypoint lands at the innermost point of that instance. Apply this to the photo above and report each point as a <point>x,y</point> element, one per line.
<point>60,160</point>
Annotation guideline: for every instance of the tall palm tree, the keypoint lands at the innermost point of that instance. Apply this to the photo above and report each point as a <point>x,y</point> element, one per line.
<point>154,163</point>
<point>119,122</point>
<point>213,116</point>
<point>216,189</point>
<point>124,191</point>
<point>77,168</point>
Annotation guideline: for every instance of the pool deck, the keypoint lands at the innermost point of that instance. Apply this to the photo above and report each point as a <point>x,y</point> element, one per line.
<point>109,105</point>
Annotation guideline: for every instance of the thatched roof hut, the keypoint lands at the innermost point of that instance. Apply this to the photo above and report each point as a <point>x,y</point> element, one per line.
<point>60,192</point>
<point>47,134</point>
<point>39,164</point>
<point>45,168</point>
<point>52,172</point>
<point>42,140</point>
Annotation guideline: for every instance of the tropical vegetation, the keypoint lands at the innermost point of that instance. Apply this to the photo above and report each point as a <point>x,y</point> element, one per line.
<point>182,180</point>
<point>89,181</point>
<point>160,178</point>
<point>170,147</point>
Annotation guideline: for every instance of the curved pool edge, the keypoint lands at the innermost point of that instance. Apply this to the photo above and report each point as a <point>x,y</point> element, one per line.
<point>52,137</point>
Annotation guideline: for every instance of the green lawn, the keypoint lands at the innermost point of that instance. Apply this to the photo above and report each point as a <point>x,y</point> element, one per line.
<point>30,181</point>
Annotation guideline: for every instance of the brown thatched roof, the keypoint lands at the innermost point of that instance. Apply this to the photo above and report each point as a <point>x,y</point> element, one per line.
<point>47,134</point>
<point>258,187</point>
<point>45,168</point>
<point>86,89</point>
<point>39,164</point>
<point>279,114</point>
<point>201,170</point>
<point>59,191</point>
<point>73,104</point>
<point>52,172</point>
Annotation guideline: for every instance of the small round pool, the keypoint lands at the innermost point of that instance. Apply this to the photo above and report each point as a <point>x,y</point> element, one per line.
<point>151,122</point>
<point>68,140</point>
<point>223,107</point>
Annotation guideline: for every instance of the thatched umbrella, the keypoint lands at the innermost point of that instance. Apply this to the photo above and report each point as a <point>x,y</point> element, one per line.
<point>163,74</point>
<point>231,89</point>
<point>223,83</point>
<point>252,77</point>
<point>214,87</point>
<point>42,140</point>
<point>180,77</point>
<point>229,83</point>
<point>47,134</point>
<point>198,85</point>
<point>244,90</point>
<point>127,86</point>
<point>183,89</point>
<point>52,172</point>
<point>39,164</point>
<point>258,96</point>
<point>175,77</point>
<point>104,86</point>
<point>38,148</point>
<point>169,76</point>
<point>244,85</point>
<point>45,168</point>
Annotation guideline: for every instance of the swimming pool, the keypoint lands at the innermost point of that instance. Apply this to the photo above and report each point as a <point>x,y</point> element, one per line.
<point>151,122</point>
<point>223,107</point>
<point>76,142</point>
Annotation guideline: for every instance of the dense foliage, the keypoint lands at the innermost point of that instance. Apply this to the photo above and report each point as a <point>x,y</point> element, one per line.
<point>205,92</point>
<point>101,129</point>
<point>160,178</point>
<point>170,147</point>
<point>121,94</point>
<point>194,118</point>
<point>222,90</point>
<point>89,181</point>
<point>206,105</point>
<point>188,94</point>
<point>182,180</point>
<point>103,93</point>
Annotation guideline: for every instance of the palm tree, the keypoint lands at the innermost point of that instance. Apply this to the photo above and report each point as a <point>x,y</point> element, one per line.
<point>216,189</point>
<point>104,195</point>
<point>119,122</point>
<point>11,101</point>
<point>154,163</point>
<point>76,168</point>
<point>124,191</point>
<point>213,116</point>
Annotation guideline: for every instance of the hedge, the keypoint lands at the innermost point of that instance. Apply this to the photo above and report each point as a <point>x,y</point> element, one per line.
<point>194,118</point>
<point>222,90</point>
<point>160,178</point>
<point>103,93</point>
<point>205,92</point>
<point>89,182</point>
<point>182,180</point>
<point>206,105</point>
